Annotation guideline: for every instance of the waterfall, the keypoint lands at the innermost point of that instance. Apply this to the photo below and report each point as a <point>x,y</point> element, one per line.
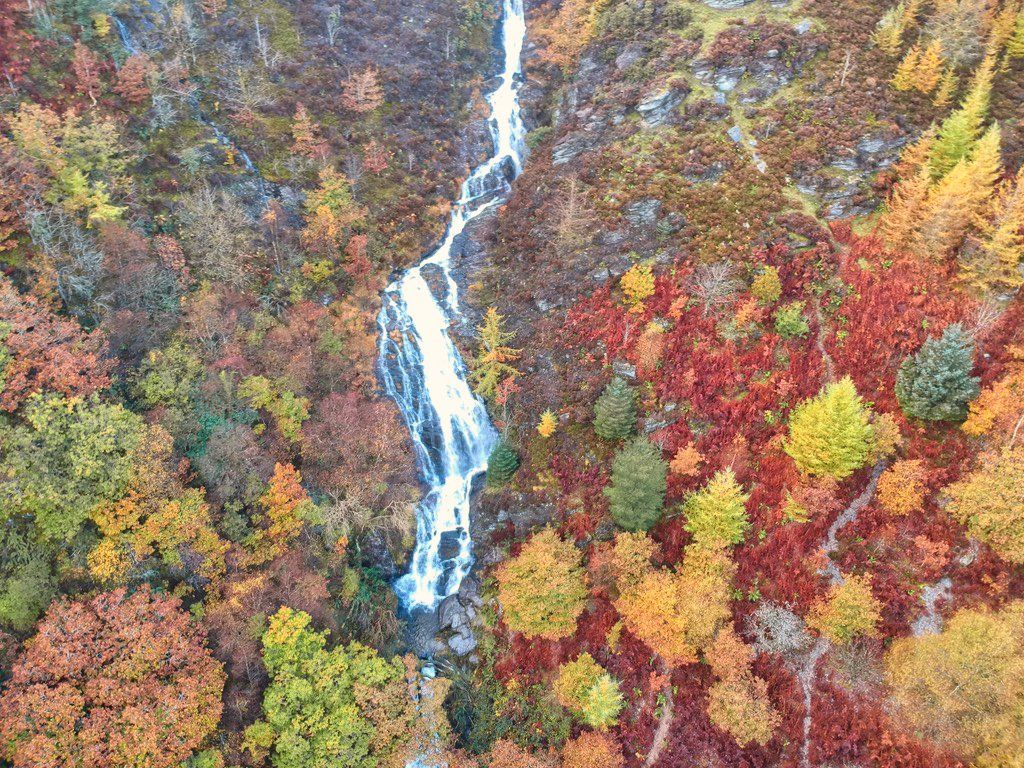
<point>421,369</point>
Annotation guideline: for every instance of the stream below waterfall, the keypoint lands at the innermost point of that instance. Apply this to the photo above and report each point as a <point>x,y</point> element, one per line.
<point>421,368</point>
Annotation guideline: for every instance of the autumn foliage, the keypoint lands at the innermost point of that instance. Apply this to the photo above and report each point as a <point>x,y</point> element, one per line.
<point>43,351</point>
<point>111,682</point>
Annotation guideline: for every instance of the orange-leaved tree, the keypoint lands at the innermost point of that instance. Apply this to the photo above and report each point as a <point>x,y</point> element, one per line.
<point>115,681</point>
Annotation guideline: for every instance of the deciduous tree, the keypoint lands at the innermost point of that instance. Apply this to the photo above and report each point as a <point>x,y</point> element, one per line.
<point>964,687</point>
<point>45,352</point>
<point>592,750</point>
<point>362,92</point>
<point>286,508</point>
<point>133,79</point>
<point>86,67</point>
<point>960,131</point>
<point>327,706</point>
<point>543,590</point>
<point>990,502</point>
<point>115,681</point>
<point>678,613</point>
<point>830,434</point>
<point>584,687</point>
<point>67,458</point>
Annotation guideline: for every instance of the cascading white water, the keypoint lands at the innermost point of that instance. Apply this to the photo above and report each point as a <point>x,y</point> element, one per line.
<point>421,369</point>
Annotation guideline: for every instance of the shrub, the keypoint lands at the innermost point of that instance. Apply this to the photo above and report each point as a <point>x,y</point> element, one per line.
<point>790,321</point>
<point>637,286</point>
<point>850,610</point>
<point>767,288</point>
<point>741,708</point>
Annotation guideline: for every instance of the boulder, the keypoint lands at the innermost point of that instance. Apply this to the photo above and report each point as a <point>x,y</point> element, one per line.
<point>727,78</point>
<point>462,644</point>
<point>726,5</point>
<point>656,107</point>
<point>643,211</point>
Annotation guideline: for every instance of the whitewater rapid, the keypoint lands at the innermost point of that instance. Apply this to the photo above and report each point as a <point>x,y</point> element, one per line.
<point>422,370</point>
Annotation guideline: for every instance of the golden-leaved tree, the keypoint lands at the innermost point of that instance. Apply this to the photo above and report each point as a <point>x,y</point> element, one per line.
<point>543,590</point>
<point>964,687</point>
<point>990,502</point>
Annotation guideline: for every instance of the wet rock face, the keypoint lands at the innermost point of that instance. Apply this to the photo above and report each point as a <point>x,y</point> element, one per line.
<point>459,617</point>
<point>436,281</point>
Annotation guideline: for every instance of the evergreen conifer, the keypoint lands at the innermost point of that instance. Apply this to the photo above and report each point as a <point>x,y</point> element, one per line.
<point>615,411</point>
<point>936,383</point>
<point>637,490</point>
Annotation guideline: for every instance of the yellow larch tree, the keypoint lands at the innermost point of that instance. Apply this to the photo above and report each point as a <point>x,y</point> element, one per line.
<point>993,263</point>
<point>928,72</point>
<point>905,77</point>
<point>493,362</point>
<point>955,202</point>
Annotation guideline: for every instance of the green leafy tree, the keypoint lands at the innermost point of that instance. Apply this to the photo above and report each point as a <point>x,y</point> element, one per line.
<point>288,409</point>
<point>936,383</point>
<point>543,590</point>
<point>615,411</point>
<point>831,434</point>
<point>637,489</point>
<point>716,515</point>
<point>25,593</point>
<point>502,463</point>
<point>66,458</point>
<point>324,706</point>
